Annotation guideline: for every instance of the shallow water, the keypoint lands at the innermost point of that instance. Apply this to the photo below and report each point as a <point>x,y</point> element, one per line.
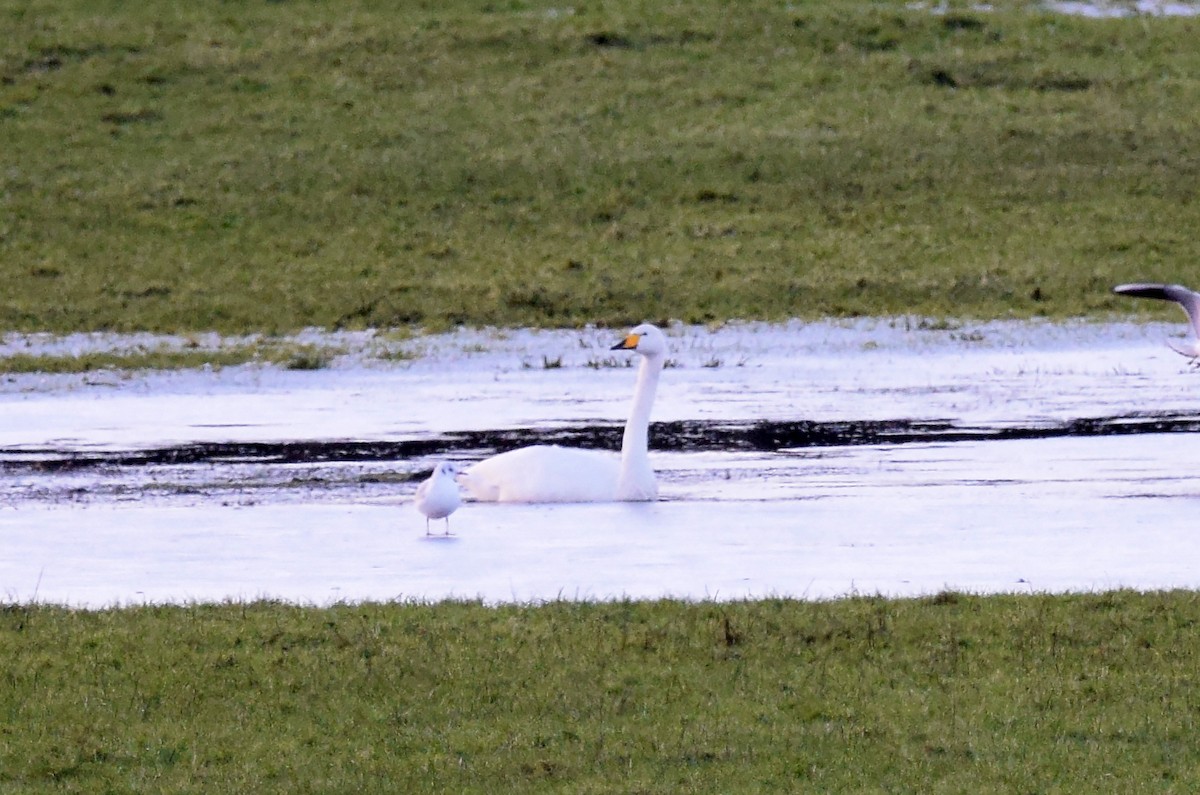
<point>810,460</point>
<point>1092,9</point>
<point>1122,8</point>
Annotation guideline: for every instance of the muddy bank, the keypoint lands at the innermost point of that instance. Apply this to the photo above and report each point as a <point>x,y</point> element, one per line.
<point>676,437</point>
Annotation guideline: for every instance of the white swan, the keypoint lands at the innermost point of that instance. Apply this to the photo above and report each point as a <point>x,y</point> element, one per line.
<point>1188,299</point>
<point>438,496</point>
<point>550,473</point>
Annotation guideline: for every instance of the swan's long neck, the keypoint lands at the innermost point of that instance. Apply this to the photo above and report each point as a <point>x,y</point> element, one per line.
<point>635,444</point>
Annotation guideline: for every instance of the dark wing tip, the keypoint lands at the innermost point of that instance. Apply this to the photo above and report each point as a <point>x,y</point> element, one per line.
<point>1163,292</point>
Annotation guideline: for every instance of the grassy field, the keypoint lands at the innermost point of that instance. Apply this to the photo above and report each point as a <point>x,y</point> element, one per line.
<point>952,693</point>
<point>289,355</point>
<point>264,166</point>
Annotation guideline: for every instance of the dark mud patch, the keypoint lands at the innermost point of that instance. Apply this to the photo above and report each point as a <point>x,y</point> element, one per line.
<point>685,437</point>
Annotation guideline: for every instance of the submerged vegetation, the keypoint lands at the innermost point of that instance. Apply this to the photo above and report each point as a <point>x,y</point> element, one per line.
<point>951,693</point>
<point>271,166</point>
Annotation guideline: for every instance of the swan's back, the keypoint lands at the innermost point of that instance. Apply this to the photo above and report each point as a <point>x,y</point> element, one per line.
<point>545,473</point>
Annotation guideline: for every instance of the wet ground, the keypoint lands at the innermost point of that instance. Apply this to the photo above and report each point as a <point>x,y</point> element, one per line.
<point>809,460</point>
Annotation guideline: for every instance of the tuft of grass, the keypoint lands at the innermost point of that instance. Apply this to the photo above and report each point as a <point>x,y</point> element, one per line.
<point>395,355</point>
<point>306,357</point>
<point>606,362</point>
<point>305,164</point>
<point>949,693</point>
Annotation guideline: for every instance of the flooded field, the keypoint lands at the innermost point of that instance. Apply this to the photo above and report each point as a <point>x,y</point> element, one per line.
<point>811,460</point>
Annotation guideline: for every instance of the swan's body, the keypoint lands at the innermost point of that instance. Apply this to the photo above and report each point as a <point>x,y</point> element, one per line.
<point>549,473</point>
<point>438,496</point>
<point>1188,299</point>
<point>545,473</point>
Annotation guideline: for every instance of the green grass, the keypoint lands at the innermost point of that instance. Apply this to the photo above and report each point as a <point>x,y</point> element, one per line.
<point>263,166</point>
<point>151,359</point>
<point>947,694</point>
<point>292,356</point>
<point>269,166</point>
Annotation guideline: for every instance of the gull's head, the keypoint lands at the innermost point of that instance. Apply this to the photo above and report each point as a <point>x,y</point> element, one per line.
<point>646,339</point>
<point>446,469</point>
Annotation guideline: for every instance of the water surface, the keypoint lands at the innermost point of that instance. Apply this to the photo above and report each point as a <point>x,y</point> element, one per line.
<point>810,460</point>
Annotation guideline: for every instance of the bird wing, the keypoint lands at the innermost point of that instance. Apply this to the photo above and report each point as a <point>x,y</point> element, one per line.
<point>1188,299</point>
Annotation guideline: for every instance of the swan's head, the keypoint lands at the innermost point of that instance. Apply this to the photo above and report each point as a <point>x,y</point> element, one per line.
<point>645,339</point>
